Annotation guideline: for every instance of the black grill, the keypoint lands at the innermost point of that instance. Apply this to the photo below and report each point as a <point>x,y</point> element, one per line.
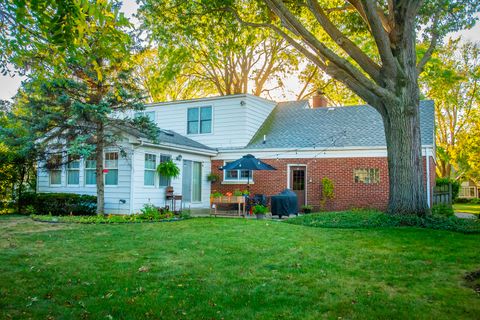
<point>284,204</point>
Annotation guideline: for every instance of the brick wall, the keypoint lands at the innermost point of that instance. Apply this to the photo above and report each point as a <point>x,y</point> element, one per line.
<point>348,194</point>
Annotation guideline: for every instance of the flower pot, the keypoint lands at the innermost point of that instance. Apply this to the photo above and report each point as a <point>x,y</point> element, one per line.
<point>260,216</point>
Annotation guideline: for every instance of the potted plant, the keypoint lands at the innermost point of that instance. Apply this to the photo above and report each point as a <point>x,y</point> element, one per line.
<point>168,169</point>
<point>212,177</point>
<point>307,208</point>
<point>260,211</point>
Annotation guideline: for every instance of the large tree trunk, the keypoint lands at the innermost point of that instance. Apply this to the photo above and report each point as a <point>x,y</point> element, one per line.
<point>405,163</point>
<point>99,170</point>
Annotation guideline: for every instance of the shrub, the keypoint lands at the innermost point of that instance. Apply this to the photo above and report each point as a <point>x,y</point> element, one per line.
<point>445,181</point>
<point>327,192</point>
<point>468,200</point>
<point>443,210</point>
<point>376,219</point>
<point>260,209</point>
<point>151,212</point>
<point>307,208</point>
<point>59,204</point>
<point>106,219</point>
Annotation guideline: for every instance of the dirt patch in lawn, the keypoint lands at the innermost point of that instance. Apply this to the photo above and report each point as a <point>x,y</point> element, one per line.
<point>473,280</point>
<point>17,225</point>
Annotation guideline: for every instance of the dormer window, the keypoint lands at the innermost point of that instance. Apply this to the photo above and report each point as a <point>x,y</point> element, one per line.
<point>199,120</point>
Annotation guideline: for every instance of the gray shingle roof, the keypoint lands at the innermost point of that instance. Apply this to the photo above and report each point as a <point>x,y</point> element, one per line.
<point>294,125</point>
<point>171,137</point>
<point>164,136</point>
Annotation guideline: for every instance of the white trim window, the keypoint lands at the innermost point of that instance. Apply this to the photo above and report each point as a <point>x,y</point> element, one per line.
<point>111,166</point>
<point>367,176</point>
<point>150,168</point>
<point>237,175</point>
<point>149,114</point>
<point>55,169</point>
<point>73,171</point>
<point>91,171</point>
<point>199,120</point>
<point>164,181</point>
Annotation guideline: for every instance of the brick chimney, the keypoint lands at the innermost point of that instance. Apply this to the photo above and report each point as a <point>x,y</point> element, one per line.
<point>319,100</point>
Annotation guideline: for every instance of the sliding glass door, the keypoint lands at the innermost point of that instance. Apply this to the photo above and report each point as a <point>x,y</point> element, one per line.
<point>192,181</point>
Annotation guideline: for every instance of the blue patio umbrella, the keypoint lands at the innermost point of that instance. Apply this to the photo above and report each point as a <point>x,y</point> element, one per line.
<point>247,162</point>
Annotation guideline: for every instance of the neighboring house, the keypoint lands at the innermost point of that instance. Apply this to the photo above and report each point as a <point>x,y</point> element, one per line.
<point>305,143</point>
<point>469,189</point>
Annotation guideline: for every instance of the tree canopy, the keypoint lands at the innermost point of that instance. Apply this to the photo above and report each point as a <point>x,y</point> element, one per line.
<point>452,80</point>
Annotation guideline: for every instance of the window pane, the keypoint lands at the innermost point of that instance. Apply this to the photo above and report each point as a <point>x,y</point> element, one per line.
<point>196,181</point>
<point>206,113</point>
<point>245,174</point>
<point>73,177</point>
<point>90,164</point>
<point>150,161</point>
<point>231,174</point>
<point>111,178</point>
<point>111,160</point>
<point>150,115</point>
<point>206,126</point>
<point>90,177</point>
<point>73,162</point>
<point>192,114</point>
<point>367,176</point>
<point>192,127</point>
<point>149,178</point>
<point>55,177</point>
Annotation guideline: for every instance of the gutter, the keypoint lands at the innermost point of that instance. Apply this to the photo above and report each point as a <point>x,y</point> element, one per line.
<point>427,155</point>
<point>132,176</point>
<point>325,149</point>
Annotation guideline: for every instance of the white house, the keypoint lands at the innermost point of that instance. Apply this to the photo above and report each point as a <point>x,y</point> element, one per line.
<point>304,142</point>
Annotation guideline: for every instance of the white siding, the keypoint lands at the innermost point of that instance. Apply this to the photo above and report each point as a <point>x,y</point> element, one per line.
<point>236,119</point>
<point>156,195</point>
<point>113,194</point>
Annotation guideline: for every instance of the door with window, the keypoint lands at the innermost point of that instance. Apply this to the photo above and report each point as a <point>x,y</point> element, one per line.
<point>298,183</point>
<point>192,181</point>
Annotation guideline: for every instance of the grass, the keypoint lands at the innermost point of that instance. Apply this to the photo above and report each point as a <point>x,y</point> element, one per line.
<point>214,268</point>
<point>467,208</point>
<point>375,219</point>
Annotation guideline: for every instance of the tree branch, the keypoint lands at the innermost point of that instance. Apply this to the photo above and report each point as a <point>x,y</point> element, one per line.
<point>433,44</point>
<point>344,42</point>
<point>380,35</point>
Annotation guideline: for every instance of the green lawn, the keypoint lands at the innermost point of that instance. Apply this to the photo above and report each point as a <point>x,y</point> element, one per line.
<point>467,208</point>
<point>214,268</point>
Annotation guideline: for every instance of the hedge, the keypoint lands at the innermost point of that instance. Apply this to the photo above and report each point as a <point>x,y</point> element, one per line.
<point>59,204</point>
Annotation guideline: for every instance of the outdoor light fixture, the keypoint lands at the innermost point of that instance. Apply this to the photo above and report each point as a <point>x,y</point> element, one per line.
<point>242,103</point>
<point>179,157</point>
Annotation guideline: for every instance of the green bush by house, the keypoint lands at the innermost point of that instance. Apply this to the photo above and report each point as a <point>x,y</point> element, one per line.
<point>59,204</point>
<point>375,219</point>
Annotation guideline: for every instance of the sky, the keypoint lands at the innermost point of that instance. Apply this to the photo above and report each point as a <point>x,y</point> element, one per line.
<point>9,85</point>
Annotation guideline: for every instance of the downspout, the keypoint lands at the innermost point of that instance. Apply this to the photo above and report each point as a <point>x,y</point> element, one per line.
<point>427,156</point>
<point>132,176</point>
